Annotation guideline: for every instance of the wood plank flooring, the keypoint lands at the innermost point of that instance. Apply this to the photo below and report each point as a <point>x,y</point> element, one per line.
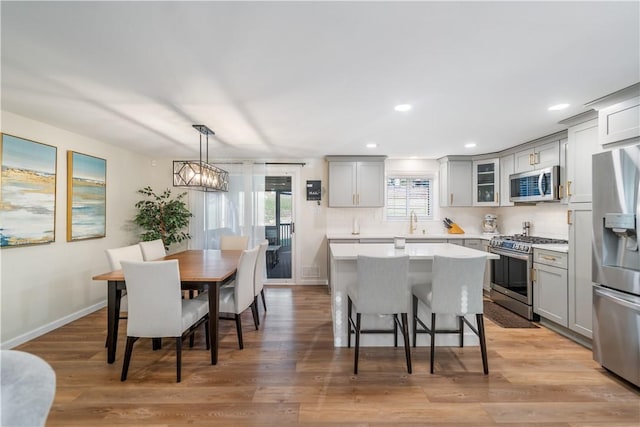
<point>290,374</point>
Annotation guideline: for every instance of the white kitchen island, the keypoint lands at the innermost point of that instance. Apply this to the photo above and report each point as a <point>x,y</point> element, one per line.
<point>343,273</point>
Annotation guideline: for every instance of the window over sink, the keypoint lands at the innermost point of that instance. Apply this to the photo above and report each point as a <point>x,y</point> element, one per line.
<point>409,193</point>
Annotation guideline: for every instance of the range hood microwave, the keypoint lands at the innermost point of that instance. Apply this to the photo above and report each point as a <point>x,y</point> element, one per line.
<point>540,185</point>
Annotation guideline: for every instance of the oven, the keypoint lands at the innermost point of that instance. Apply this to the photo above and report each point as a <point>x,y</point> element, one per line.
<point>511,284</point>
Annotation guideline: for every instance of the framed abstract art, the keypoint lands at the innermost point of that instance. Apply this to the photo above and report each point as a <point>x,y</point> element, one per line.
<point>27,192</point>
<point>86,196</point>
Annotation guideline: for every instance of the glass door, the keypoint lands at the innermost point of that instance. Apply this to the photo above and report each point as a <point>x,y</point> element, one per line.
<point>279,227</point>
<point>485,182</point>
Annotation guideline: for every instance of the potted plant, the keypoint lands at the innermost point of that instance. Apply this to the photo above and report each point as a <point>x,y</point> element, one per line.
<point>163,217</point>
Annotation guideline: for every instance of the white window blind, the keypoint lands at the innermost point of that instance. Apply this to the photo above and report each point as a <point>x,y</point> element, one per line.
<point>406,194</point>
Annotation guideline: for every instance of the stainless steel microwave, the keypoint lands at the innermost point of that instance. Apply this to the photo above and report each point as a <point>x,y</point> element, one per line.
<point>540,185</point>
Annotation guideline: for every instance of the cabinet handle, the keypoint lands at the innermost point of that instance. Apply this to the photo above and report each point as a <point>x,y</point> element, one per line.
<point>569,217</point>
<point>530,158</point>
<point>536,158</point>
<point>548,258</point>
<point>358,199</point>
<point>353,199</point>
<point>451,199</point>
<point>533,274</point>
<point>561,191</point>
<point>569,189</point>
<point>495,197</point>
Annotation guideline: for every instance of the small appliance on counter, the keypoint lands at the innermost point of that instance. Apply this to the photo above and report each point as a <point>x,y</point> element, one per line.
<point>490,224</point>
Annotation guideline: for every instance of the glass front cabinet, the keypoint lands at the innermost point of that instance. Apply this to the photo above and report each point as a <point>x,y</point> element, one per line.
<point>486,182</point>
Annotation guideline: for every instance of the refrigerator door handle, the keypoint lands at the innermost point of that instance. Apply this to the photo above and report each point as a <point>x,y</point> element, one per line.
<point>627,302</point>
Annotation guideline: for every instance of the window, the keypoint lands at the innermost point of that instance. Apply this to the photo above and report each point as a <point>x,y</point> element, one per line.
<point>406,194</point>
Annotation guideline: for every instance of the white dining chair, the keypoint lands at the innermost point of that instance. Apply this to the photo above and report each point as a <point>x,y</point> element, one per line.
<point>152,250</point>
<point>115,256</point>
<point>382,288</point>
<point>27,389</point>
<point>260,275</point>
<point>234,243</point>
<point>235,299</point>
<point>157,310</point>
<point>455,288</point>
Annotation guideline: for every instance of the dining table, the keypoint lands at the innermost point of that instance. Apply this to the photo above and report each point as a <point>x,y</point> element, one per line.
<point>204,269</point>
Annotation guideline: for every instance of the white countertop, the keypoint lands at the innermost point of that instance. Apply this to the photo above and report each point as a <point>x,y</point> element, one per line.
<point>384,235</point>
<point>554,247</point>
<point>426,251</point>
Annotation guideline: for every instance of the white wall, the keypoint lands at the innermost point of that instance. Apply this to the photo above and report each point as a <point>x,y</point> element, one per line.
<point>45,286</point>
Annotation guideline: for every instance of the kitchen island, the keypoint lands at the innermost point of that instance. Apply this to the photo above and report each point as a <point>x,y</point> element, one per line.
<point>343,274</point>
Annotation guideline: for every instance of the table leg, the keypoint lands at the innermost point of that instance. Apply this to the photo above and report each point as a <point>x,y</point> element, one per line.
<point>214,307</point>
<point>113,315</point>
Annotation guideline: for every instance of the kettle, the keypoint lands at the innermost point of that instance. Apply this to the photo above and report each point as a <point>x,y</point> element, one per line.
<point>490,224</point>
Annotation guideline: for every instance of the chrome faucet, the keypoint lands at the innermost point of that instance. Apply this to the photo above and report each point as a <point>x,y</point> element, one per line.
<point>413,223</point>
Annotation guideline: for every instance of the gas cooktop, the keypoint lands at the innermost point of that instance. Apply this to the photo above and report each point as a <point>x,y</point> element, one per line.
<point>522,243</point>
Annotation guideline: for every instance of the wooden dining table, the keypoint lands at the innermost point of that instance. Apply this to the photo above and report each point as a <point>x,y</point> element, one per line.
<point>199,270</point>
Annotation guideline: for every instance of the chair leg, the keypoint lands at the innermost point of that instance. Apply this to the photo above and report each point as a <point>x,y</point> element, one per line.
<point>483,343</point>
<point>415,317</point>
<point>254,312</point>
<point>433,340</point>
<point>405,334</point>
<point>206,334</point>
<point>349,308</point>
<point>395,330</point>
<point>192,339</point>
<point>156,343</point>
<point>127,358</point>
<point>255,302</point>
<point>461,322</point>
<point>355,363</point>
<point>239,331</point>
<point>264,302</point>
<point>178,358</point>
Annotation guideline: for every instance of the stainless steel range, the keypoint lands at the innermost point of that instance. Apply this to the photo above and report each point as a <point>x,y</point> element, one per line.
<point>511,285</point>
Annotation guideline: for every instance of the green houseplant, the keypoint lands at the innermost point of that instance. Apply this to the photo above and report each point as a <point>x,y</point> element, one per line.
<point>163,217</point>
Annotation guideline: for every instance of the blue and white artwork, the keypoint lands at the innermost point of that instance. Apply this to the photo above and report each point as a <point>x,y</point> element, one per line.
<point>86,193</point>
<point>27,192</point>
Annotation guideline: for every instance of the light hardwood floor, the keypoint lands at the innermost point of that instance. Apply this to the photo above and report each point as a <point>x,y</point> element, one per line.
<point>289,373</point>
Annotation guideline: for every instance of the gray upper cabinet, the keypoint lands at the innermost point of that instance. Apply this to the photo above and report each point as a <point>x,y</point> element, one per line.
<point>620,122</point>
<point>506,169</point>
<point>486,182</point>
<point>356,182</point>
<point>455,182</point>
<point>537,157</point>
<point>581,145</point>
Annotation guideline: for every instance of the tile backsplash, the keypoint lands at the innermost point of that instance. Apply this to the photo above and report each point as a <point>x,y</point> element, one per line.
<point>547,220</point>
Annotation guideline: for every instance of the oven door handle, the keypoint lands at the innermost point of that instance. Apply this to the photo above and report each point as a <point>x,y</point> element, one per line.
<point>523,257</point>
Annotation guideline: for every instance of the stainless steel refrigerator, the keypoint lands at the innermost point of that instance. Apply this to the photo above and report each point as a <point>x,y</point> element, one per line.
<point>616,262</point>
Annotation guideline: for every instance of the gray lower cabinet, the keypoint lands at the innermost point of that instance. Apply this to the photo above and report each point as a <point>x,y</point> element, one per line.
<point>550,287</point>
<point>580,284</point>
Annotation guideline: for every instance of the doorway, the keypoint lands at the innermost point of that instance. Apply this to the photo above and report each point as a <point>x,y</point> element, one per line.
<point>279,227</point>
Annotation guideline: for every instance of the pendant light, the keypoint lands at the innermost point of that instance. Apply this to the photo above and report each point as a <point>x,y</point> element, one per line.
<point>200,174</point>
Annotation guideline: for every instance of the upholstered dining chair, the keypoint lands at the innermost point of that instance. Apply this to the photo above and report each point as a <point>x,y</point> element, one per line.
<point>235,299</point>
<point>152,250</point>
<point>260,275</point>
<point>156,307</point>
<point>382,287</point>
<point>455,289</point>
<point>27,389</point>
<point>234,243</point>
<point>115,256</point>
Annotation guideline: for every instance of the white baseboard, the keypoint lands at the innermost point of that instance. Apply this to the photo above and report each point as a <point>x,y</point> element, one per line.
<point>14,342</point>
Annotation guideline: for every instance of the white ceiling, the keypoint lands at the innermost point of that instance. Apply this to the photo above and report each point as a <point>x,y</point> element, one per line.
<point>295,80</point>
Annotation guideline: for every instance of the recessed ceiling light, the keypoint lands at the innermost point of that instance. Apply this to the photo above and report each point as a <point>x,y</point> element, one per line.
<point>372,145</point>
<point>402,107</point>
<point>558,107</point>
<point>470,145</point>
